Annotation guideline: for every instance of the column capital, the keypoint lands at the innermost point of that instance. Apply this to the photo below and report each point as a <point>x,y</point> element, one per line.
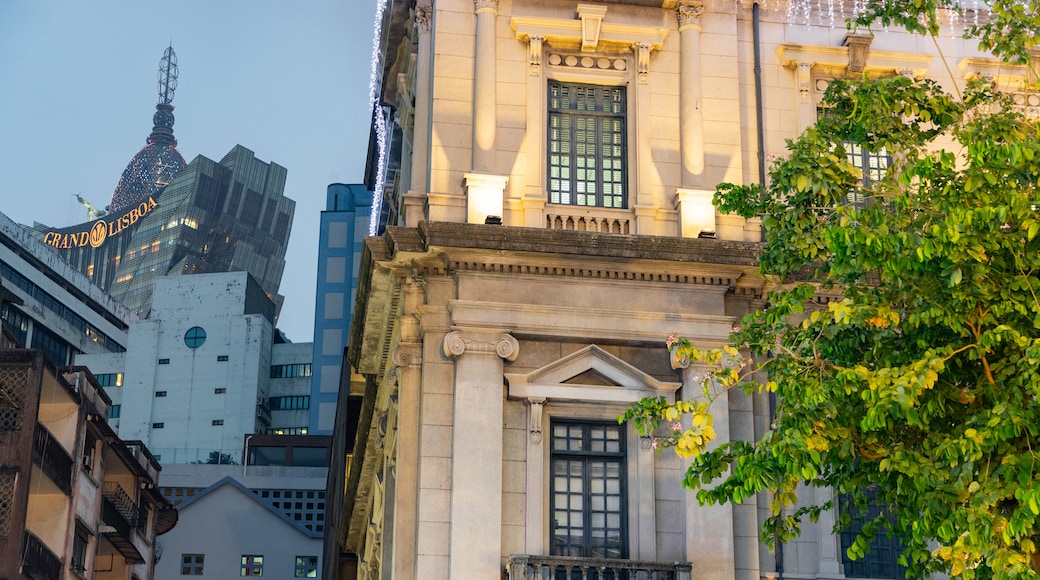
<point>406,355</point>
<point>688,13</point>
<point>457,343</point>
<point>485,6</point>
<point>422,19</point>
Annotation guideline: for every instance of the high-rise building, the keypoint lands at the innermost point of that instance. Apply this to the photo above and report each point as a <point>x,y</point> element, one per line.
<point>168,218</point>
<point>224,402</point>
<point>343,227</point>
<point>546,172</point>
<point>52,306</point>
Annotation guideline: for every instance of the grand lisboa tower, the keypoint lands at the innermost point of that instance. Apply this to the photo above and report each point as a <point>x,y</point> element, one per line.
<point>169,218</point>
<point>158,161</point>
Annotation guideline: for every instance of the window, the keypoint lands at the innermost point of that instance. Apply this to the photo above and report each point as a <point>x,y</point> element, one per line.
<point>252,565</point>
<point>192,564</point>
<point>222,358</point>
<point>80,541</point>
<point>113,411</point>
<point>587,145</point>
<point>164,361</point>
<point>195,337</point>
<point>873,165</point>
<point>290,371</point>
<point>109,379</point>
<point>294,403</point>
<point>89,445</point>
<point>219,391</point>
<point>882,561</point>
<point>218,422</point>
<point>158,425</point>
<point>306,566</point>
<point>587,490</point>
<point>286,431</point>
<point>160,393</point>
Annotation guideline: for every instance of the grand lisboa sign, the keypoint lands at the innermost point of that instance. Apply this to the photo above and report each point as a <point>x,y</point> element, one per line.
<point>96,233</point>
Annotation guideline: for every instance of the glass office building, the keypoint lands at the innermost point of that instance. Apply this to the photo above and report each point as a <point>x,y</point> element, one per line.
<point>167,217</point>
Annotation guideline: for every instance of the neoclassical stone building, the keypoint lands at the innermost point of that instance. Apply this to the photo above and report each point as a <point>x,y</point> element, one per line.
<point>547,195</point>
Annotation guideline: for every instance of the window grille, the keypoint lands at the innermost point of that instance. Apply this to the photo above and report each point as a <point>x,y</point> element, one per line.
<point>588,490</point>
<point>12,396</point>
<point>882,560</point>
<point>587,145</point>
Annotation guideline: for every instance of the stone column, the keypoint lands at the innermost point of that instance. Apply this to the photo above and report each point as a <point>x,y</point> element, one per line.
<point>415,198</point>
<point>484,84</point>
<point>407,358</point>
<point>691,113</point>
<point>716,535</point>
<point>475,537</point>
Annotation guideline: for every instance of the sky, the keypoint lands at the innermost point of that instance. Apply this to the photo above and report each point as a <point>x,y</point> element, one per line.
<point>287,79</point>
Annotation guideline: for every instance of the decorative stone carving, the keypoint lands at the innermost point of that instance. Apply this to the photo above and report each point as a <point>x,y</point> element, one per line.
<point>643,55</point>
<point>406,355</point>
<point>482,5</point>
<point>535,419</point>
<point>688,13</point>
<point>591,16</point>
<point>804,80</point>
<point>859,45</point>
<point>504,345</point>
<point>534,50</point>
<point>422,19</point>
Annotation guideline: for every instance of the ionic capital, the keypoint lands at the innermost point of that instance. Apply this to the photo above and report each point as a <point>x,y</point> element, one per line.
<point>406,355</point>
<point>457,343</point>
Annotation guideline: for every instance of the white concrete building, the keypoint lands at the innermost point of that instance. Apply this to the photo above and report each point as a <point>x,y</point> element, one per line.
<point>200,371</point>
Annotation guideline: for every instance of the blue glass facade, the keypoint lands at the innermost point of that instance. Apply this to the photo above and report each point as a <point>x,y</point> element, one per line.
<point>344,225</point>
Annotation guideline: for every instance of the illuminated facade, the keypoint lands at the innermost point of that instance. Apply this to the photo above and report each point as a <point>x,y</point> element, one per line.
<point>167,217</point>
<point>544,174</point>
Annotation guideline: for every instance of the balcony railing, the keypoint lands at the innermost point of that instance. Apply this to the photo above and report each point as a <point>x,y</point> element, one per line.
<point>527,567</point>
<point>118,517</point>
<point>52,459</point>
<point>39,562</point>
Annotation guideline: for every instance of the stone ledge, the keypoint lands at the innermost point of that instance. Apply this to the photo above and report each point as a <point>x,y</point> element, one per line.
<point>519,239</point>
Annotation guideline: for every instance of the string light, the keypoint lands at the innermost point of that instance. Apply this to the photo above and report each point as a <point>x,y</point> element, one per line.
<point>380,122</point>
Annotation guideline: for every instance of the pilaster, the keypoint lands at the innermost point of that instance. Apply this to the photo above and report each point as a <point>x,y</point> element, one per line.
<point>476,475</point>
<point>415,200</point>
<point>691,113</point>
<point>484,87</point>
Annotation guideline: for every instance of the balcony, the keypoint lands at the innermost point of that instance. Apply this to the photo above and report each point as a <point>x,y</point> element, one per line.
<point>527,567</point>
<point>39,562</point>
<point>118,519</point>
<point>52,458</point>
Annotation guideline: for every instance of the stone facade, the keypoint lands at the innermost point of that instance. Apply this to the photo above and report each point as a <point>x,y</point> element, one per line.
<point>516,297</point>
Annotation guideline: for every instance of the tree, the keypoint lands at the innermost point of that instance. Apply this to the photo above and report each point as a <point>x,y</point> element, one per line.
<point>902,336</point>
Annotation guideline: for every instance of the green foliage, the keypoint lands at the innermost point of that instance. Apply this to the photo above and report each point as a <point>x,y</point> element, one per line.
<point>902,338</point>
<point>1006,28</point>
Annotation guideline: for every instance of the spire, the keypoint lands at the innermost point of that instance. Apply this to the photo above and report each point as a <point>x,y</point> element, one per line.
<point>159,161</point>
<point>162,132</point>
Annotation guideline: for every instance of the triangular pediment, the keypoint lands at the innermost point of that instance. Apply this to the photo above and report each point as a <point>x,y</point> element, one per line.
<point>590,374</point>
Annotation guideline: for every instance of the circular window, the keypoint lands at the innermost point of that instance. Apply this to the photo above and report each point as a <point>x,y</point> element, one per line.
<point>195,337</point>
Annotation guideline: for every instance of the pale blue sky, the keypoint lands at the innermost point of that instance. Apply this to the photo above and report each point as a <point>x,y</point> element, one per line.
<point>285,78</point>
